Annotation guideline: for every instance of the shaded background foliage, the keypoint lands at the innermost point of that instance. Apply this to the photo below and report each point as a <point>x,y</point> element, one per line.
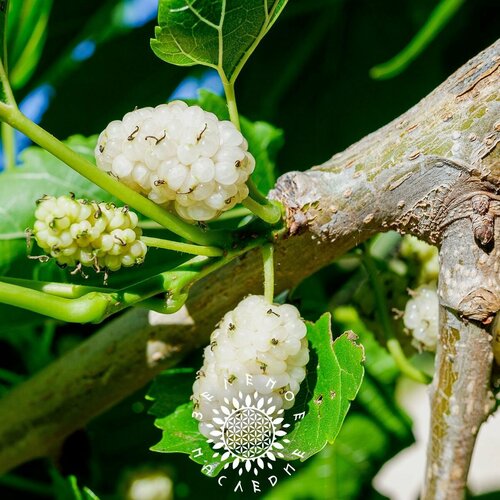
<point>310,77</point>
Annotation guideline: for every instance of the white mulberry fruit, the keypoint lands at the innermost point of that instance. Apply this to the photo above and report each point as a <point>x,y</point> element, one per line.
<point>421,317</point>
<point>80,232</point>
<point>180,157</point>
<point>257,347</point>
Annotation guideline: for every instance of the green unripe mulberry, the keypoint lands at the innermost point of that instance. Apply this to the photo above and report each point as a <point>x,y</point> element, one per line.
<point>84,233</point>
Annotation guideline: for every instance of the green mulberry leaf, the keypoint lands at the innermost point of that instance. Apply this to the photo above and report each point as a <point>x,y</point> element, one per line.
<point>180,429</point>
<point>220,34</point>
<point>334,376</point>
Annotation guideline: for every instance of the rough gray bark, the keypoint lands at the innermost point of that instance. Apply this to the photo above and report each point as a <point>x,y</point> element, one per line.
<point>461,395</point>
<point>419,174</point>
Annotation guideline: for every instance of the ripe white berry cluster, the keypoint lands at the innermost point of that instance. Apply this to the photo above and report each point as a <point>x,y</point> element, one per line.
<point>257,347</point>
<point>80,232</point>
<point>421,317</point>
<point>179,156</point>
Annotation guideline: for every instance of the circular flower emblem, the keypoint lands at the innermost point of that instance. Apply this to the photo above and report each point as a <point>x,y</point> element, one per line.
<point>245,430</point>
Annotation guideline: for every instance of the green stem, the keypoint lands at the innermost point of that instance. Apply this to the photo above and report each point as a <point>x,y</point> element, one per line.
<point>268,261</point>
<point>8,100</point>
<point>9,146</point>
<point>255,193</point>
<point>182,247</point>
<point>69,291</point>
<point>15,118</point>
<point>8,97</point>
<point>175,282</point>
<point>443,12</point>
<point>149,224</point>
<point>231,102</point>
<point>270,212</point>
<point>393,345</point>
<point>94,307</point>
<point>82,310</point>
<point>65,290</point>
<point>256,202</point>
<point>235,213</point>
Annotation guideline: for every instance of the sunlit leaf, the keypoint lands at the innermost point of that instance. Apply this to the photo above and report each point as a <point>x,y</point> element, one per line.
<point>334,377</point>
<point>217,33</point>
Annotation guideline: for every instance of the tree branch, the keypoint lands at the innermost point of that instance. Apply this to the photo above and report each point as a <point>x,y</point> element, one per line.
<point>417,174</point>
<point>462,397</point>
